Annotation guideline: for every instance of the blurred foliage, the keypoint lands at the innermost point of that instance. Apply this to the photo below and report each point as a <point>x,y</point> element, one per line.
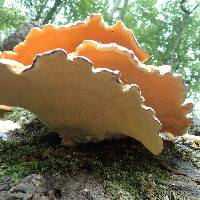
<point>169,30</point>
<point>9,18</point>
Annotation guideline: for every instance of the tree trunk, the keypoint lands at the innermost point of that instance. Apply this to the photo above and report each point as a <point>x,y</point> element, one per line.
<point>18,36</point>
<point>52,11</point>
<point>39,13</point>
<point>182,25</point>
<point>123,10</point>
<point>114,8</point>
<point>177,41</point>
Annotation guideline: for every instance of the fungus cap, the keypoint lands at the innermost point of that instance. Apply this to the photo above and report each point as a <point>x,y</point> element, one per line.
<point>69,37</point>
<point>162,90</point>
<point>66,91</point>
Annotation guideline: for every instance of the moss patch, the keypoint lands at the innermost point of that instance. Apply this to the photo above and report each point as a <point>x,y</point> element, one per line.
<point>127,169</point>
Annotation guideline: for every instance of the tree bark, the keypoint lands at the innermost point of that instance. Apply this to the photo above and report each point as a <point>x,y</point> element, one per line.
<point>52,11</point>
<point>39,13</point>
<point>114,8</point>
<point>182,25</point>
<point>18,36</point>
<point>177,41</point>
<point>123,10</point>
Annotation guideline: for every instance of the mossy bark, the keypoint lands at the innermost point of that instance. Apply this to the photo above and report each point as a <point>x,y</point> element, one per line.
<point>123,168</point>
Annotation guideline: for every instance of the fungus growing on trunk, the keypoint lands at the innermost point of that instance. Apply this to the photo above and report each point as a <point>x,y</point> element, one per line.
<point>66,91</point>
<point>77,86</point>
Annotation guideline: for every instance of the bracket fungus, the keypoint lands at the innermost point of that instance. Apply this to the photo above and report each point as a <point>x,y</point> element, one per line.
<point>163,91</point>
<point>90,76</point>
<point>67,92</point>
<point>69,37</point>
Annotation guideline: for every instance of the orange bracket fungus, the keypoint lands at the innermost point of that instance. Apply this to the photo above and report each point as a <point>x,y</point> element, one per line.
<point>91,76</point>
<point>68,38</point>
<point>163,91</point>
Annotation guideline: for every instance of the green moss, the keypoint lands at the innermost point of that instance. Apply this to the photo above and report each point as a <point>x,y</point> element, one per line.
<point>127,169</point>
<point>19,115</point>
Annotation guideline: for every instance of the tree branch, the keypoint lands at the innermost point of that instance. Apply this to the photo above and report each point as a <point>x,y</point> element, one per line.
<point>194,8</point>
<point>123,10</point>
<point>114,8</point>
<point>52,11</point>
<point>183,8</point>
<point>39,13</point>
<point>181,27</point>
<point>177,42</point>
<point>186,11</point>
<point>178,64</point>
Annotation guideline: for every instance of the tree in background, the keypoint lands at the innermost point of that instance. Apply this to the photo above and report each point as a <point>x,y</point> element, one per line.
<point>47,11</point>
<point>9,18</point>
<point>169,30</point>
